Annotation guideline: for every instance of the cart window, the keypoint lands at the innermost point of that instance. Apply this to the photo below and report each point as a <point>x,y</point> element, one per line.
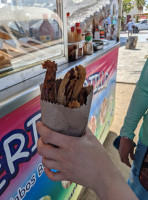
<point>30,32</point>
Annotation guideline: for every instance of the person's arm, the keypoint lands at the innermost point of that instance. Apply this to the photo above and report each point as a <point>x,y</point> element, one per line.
<point>82,160</point>
<point>138,105</point>
<point>137,109</point>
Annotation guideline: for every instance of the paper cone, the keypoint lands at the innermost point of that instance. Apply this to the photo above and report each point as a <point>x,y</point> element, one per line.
<point>65,120</point>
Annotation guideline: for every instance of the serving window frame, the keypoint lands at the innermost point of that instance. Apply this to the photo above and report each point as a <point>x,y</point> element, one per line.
<point>26,71</point>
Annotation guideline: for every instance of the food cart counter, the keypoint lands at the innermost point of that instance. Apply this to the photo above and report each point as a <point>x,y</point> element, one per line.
<point>21,171</point>
<point>20,110</point>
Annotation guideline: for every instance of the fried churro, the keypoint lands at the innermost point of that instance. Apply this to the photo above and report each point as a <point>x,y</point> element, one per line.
<point>49,86</point>
<point>80,81</point>
<point>74,104</point>
<point>68,91</point>
<point>66,86</point>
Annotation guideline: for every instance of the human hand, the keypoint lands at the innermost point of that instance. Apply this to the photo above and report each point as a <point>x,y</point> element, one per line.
<point>126,148</point>
<point>73,155</point>
<point>82,160</point>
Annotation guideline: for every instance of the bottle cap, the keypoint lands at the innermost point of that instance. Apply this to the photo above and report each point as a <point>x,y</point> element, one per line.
<point>77,25</point>
<point>72,29</point>
<point>79,31</point>
<point>68,14</point>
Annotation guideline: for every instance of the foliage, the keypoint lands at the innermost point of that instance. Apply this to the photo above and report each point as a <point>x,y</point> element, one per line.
<point>129,4</point>
<point>140,3</point>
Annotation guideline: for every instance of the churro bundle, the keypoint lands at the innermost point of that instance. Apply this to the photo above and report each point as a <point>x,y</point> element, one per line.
<point>65,103</point>
<point>69,91</point>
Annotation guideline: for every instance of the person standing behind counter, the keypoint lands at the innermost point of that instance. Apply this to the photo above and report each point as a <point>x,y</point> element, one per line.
<point>138,180</point>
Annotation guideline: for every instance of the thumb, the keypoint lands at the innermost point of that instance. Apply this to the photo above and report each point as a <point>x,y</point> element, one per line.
<point>132,155</point>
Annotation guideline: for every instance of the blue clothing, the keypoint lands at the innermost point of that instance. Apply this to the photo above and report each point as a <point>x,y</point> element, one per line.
<point>133,180</point>
<point>109,20</point>
<point>130,26</point>
<point>114,20</point>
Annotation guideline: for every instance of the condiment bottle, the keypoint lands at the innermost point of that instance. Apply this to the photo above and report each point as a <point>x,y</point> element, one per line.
<point>89,36</point>
<point>68,26</point>
<point>88,47</point>
<point>79,35</point>
<point>46,30</point>
<point>97,34</point>
<point>72,47</point>
<point>77,25</point>
<point>71,35</point>
<point>68,14</point>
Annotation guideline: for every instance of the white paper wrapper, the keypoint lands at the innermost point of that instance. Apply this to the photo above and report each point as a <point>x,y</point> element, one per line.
<point>65,120</point>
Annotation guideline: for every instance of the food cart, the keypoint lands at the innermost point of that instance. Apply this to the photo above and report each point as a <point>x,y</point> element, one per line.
<point>23,48</point>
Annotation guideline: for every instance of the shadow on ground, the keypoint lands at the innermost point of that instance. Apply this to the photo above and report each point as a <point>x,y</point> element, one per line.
<point>114,155</point>
<point>135,49</point>
<point>122,44</point>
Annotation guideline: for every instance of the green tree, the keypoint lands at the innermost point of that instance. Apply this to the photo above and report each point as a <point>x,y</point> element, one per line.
<point>140,3</point>
<point>127,6</point>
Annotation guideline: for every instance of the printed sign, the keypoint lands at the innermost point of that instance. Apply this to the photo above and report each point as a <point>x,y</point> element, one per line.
<point>21,171</point>
<point>102,74</point>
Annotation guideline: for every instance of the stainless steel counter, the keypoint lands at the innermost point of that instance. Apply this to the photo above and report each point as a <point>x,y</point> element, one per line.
<point>15,96</point>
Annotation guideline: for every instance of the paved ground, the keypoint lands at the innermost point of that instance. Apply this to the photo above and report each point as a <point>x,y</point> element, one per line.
<point>131,62</point>
<point>130,65</point>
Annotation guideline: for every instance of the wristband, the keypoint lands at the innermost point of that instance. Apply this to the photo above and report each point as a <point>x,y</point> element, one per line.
<point>116,142</point>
